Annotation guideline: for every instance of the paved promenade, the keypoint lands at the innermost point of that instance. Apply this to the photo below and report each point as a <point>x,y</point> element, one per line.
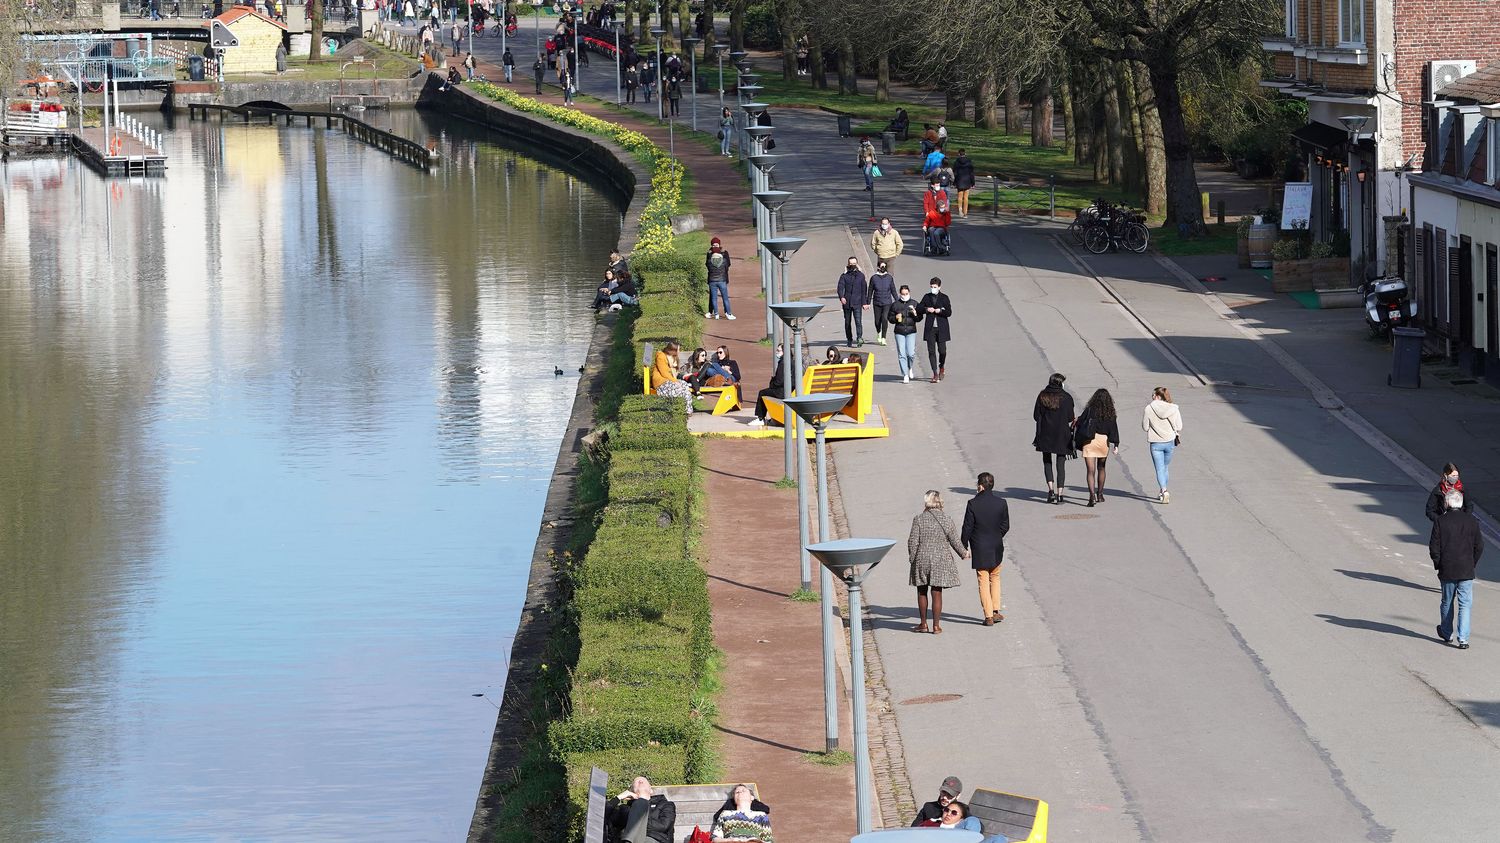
<point>1254,661</point>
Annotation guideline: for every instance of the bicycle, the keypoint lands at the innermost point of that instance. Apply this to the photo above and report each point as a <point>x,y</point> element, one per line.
<point>1117,228</point>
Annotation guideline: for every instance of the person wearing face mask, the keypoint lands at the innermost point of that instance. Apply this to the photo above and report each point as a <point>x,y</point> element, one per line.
<point>717,261</point>
<point>853,292</point>
<point>886,242</point>
<point>882,298</point>
<point>1447,482</point>
<point>936,220</point>
<point>775,389</point>
<point>905,314</point>
<point>936,308</point>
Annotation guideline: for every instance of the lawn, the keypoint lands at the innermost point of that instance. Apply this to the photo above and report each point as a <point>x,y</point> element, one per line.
<point>1220,240</point>
<point>385,64</point>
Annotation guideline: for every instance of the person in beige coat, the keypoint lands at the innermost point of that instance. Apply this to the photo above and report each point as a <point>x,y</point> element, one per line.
<point>886,243</point>
<point>1162,422</point>
<point>932,565</point>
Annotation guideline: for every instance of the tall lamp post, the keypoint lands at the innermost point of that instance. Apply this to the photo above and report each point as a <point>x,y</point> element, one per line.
<point>657,32</point>
<point>770,202</point>
<point>615,25</point>
<point>783,248</point>
<point>719,56</point>
<point>852,560</point>
<point>795,315</point>
<point>536,11</point>
<point>692,42</point>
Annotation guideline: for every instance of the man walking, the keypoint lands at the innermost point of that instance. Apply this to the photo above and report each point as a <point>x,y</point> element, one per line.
<point>886,242</point>
<point>717,261</point>
<point>882,298</point>
<point>1455,547</point>
<point>986,521</point>
<point>853,293</point>
<point>508,61</point>
<point>936,308</point>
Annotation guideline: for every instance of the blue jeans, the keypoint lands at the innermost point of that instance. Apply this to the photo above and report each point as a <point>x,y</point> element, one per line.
<point>621,298</point>
<point>508,69</point>
<point>1464,591</point>
<point>721,290</point>
<point>869,176</point>
<point>1161,457</point>
<point>726,140</point>
<point>906,352</point>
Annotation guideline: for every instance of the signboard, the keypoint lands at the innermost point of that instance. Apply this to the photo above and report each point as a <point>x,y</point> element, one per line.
<point>219,36</point>
<point>593,828</point>
<point>1296,206</point>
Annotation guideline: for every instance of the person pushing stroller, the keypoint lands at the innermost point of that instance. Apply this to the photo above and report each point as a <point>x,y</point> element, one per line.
<point>937,218</point>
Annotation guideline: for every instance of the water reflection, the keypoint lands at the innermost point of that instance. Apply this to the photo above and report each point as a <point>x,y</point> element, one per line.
<point>274,435</point>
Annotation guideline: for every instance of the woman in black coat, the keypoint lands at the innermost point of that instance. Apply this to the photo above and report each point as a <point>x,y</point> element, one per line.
<point>936,308</point>
<point>1095,431</point>
<point>963,181</point>
<point>1447,482</point>
<point>1053,415</point>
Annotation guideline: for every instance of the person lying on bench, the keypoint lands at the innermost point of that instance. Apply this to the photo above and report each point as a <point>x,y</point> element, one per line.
<point>640,815</point>
<point>743,818</point>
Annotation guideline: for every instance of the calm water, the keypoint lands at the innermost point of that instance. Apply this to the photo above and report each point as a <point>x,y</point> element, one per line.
<point>275,432</point>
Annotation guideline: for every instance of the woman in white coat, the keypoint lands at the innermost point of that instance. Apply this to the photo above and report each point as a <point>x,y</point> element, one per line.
<point>1162,422</point>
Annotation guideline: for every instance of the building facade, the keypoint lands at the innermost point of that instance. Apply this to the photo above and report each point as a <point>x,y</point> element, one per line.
<point>1365,67</point>
<point>1455,230</point>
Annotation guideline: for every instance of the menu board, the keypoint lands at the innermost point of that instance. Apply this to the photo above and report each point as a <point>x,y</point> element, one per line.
<point>1296,206</point>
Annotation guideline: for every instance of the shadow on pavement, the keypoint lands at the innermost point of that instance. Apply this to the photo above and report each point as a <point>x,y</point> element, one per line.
<point>1374,626</point>
<point>1385,579</point>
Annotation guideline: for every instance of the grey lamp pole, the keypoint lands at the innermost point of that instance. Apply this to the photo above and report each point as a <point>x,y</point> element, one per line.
<point>796,314</point>
<point>761,166</point>
<point>770,202</point>
<point>852,560</point>
<point>791,370</point>
<point>536,11</point>
<point>657,32</point>
<point>504,13</point>
<point>692,42</point>
<point>719,55</point>
<point>615,24</point>
<point>815,410</point>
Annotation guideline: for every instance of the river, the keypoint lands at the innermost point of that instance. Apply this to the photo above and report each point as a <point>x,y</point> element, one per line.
<point>275,434</point>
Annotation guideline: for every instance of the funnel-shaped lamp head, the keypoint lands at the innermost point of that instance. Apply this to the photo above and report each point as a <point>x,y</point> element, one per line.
<point>765,162</point>
<point>737,55</point>
<point>692,41</point>
<point>851,560</point>
<point>748,79</point>
<point>796,314</point>
<point>758,132</point>
<point>784,247</point>
<point>657,32</point>
<point>772,200</point>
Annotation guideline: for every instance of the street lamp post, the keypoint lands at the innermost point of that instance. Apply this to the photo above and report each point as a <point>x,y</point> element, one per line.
<point>791,364</point>
<point>692,42</point>
<point>719,56</point>
<point>661,92</point>
<point>761,165</point>
<point>770,202</point>
<point>615,24</point>
<point>536,12</point>
<point>796,314</point>
<point>852,560</point>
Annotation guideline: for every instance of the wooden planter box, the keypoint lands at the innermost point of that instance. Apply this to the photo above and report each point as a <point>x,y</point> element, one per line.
<point>1310,274</point>
<point>1243,252</point>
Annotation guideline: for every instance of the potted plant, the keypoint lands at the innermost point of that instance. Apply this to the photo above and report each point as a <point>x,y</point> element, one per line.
<point>1303,265</point>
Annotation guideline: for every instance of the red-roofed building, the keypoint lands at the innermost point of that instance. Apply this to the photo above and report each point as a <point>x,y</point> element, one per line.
<point>259,37</point>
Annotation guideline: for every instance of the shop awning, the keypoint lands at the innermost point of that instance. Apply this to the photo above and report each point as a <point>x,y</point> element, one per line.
<point>1320,136</point>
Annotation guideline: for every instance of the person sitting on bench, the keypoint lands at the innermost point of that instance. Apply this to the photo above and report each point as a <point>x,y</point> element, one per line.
<point>721,370</point>
<point>776,389</point>
<point>833,357</point>
<point>696,370</point>
<point>640,815</point>
<point>899,123</point>
<point>743,818</point>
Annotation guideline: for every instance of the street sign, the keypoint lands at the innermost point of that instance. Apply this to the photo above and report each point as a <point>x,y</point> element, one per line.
<point>220,37</point>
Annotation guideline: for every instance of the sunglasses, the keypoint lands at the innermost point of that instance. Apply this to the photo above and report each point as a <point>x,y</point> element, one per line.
<point>952,812</point>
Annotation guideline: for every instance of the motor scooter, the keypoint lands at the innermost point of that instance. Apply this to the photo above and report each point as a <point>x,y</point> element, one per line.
<point>1388,304</point>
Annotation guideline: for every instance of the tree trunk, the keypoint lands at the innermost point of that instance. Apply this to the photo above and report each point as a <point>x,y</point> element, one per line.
<point>986,103</point>
<point>684,22</point>
<point>709,36</point>
<point>642,25</point>
<point>628,20</point>
<point>788,54</point>
<point>1070,121</point>
<point>1184,206</point>
<point>954,107</point>
<point>1134,170</point>
<point>815,63</point>
<point>737,25</point>
<point>848,77</point>
<point>1012,106</point>
<point>1109,92</point>
<point>1083,117</point>
<point>1041,111</point>
<point>1152,152</point>
<point>883,76</point>
<point>315,31</point>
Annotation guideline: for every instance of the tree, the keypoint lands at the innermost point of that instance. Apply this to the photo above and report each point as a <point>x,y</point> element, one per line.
<point>1169,37</point>
<point>315,30</point>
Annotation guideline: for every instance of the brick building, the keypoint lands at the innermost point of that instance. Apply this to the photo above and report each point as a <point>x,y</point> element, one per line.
<point>1365,67</point>
<point>1455,214</point>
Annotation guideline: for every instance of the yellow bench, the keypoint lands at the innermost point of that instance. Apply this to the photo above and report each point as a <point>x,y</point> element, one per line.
<point>856,379</point>
<point>729,396</point>
<point>1021,819</point>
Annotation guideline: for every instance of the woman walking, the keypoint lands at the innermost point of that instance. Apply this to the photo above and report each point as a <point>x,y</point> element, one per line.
<point>963,181</point>
<point>1162,422</point>
<point>726,131</point>
<point>1096,430</point>
<point>1053,414</point>
<point>905,314</point>
<point>932,566</point>
<point>867,161</point>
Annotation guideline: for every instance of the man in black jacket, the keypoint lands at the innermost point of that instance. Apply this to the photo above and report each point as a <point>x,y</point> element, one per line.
<point>936,309</point>
<point>1455,547</point>
<point>774,390</point>
<point>854,293</point>
<point>986,521</point>
<point>933,810</point>
<point>640,815</point>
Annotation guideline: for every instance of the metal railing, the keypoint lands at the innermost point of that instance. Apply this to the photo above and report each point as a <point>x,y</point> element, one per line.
<point>1027,196</point>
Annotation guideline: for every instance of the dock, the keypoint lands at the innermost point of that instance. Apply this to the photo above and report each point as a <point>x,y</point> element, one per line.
<point>398,147</point>
<point>128,157</point>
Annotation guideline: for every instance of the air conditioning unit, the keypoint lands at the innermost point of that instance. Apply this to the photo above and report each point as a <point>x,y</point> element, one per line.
<point>1444,72</point>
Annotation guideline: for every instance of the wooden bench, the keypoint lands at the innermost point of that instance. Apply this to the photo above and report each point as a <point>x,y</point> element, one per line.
<point>1021,819</point>
<point>697,804</point>
<point>728,396</point>
<point>853,378</point>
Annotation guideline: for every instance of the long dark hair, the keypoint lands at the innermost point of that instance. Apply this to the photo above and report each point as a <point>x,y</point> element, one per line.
<point>1102,405</point>
<point>1051,397</point>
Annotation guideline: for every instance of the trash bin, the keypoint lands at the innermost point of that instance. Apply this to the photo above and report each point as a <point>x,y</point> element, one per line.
<point>1406,358</point>
<point>888,143</point>
<point>195,68</point>
<point>844,126</point>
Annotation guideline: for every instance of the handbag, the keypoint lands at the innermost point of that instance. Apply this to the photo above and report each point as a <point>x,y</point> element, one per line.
<point>699,836</point>
<point>1083,431</point>
<point>770,144</point>
<point>875,171</point>
<point>1176,440</point>
<point>721,134</point>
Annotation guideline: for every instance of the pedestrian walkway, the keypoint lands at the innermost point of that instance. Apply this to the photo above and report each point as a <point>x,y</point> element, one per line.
<point>1254,661</point>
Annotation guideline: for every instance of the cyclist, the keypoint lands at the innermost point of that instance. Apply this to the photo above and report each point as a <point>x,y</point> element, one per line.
<point>937,218</point>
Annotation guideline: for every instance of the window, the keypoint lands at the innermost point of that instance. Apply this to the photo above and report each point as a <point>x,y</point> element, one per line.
<point>1291,19</point>
<point>1352,22</point>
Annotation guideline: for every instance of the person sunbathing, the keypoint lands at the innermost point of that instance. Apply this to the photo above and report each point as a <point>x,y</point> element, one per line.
<point>743,818</point>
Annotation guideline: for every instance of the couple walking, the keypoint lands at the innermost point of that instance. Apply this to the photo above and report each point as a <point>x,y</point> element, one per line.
<point>934,540</point>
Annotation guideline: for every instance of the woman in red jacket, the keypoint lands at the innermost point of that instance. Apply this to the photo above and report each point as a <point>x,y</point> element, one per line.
<point>937,218</point>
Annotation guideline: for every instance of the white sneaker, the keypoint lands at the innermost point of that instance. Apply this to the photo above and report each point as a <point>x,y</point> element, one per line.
<point>757,423</point>
<point>730,316</point>
<point>709,316</point>
<point>906,378</point>
<point>1166,497</point>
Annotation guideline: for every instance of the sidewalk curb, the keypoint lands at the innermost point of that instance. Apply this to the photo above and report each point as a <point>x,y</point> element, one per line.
<point>1326,398</point>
